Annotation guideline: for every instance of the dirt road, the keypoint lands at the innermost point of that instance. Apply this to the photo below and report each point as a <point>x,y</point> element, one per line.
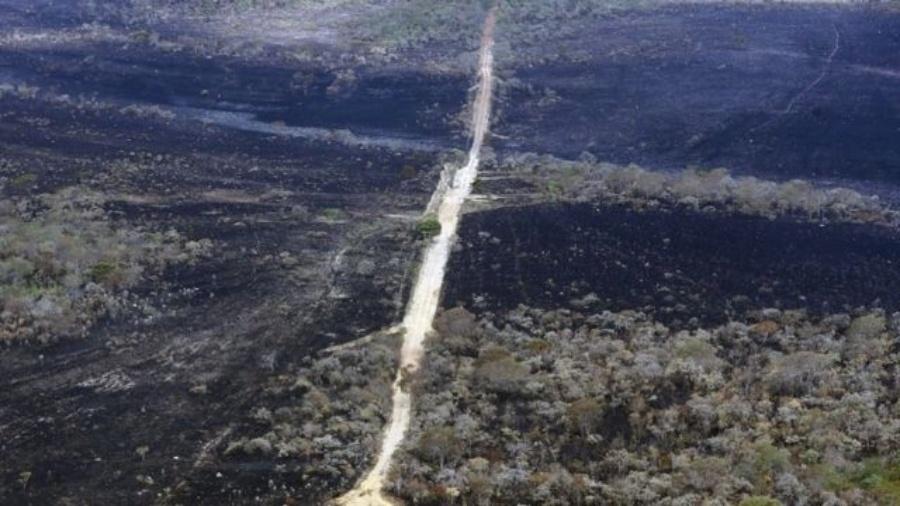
<point>426,293</point>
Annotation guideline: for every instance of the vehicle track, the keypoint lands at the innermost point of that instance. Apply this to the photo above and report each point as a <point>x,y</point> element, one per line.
<point>427,291</point>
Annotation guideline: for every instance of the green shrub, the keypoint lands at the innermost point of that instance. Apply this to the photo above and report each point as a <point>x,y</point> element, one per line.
<point>761,463</point>
<point>498,373</point>
<point>877,476</point>
<point>333,214</point>
<point>102,271</point>
<point>428,227</point>
<point>554,189</point>
<point>23,181</point>
<point>867,327</point>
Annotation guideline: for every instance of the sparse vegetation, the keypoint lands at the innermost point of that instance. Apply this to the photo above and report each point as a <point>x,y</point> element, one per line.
<point>615,408</point>
<point>64,264</point>
<point>758,500</point>
<point>334,214</point>
<point>322,421</point>
<point>707,190</point>
<point>23,181</point>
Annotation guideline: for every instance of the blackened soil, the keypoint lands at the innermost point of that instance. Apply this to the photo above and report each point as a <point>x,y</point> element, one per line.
<point>229,326</point>
<point>281,211</point>
<point>70,145</point>
<point>397,102</point>
<point>48,14</point>
<point>675,265</point>
<point>711,86</point>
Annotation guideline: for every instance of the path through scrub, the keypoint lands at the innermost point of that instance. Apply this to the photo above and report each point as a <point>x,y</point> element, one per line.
<point>427,291</point>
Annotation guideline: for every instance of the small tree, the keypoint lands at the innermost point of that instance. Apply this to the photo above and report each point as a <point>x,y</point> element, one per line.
<point>584,415</point>
<point>428,227</point>
<point>503,376</point>
<point>438,444</point>
<point>455,322</point>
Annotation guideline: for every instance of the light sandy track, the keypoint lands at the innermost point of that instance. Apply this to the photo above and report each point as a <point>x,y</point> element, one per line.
<point>426,293</point>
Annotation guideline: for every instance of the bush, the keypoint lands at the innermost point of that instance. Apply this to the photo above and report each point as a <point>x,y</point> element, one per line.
<point>428,227</point>
<point>867,327</point>
<point>502,375</point>
<point>759,500</point>
<point>879,476</point>
<point>321,418</point>
<point>439,444</point>
<point>713,189</point>
<point>799,373</point>
<point>585,415</point>
<point>105,273</point>
<point>455,322</point>
<point>23,181</point>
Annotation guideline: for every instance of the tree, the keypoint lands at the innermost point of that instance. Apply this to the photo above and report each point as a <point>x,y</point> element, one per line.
<point>584,415</point>
<point>499,373</point>
<point>799,373</point>
<point>455,322</point>
<point>439,444</point>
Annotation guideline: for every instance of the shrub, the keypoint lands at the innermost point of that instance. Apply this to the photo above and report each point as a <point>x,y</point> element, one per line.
<point>503,375</point>
<point>867,327</point>
<point>698,351</point>
<point>584,415</point>
<point>105,273</point>
<point>879,476</point>
<point>586,410</point>
<point>760,500</point>
<point>428,227</point>
<point>455,322</point>
<point>333,214</point>
<point>699,188</point>
<point>799,373</point>
<point>439,444</point>
<point>23,181</point>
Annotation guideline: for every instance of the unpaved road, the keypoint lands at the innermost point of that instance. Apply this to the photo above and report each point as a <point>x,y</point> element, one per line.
<point>426,293</point>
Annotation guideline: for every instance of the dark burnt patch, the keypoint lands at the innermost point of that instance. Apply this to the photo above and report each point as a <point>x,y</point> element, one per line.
<point>395,101</point>
<point>684,267</point>
<point>310,249</point>
<point>720,86</point>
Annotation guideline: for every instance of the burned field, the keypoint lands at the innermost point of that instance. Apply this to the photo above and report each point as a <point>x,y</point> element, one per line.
<point>612,354</point>
<point>749,88</point>
<point>625,335</point>
<point>768,93</point>
<point>307,238</point>
<point>685,268</point>
<point>195,221</point>
<point>423,106</point>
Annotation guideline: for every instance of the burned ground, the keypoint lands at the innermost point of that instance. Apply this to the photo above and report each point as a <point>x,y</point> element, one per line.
<point>684,267</point>
<point>711,86</point>
<point>307,179</point>
<point>312,240</point>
